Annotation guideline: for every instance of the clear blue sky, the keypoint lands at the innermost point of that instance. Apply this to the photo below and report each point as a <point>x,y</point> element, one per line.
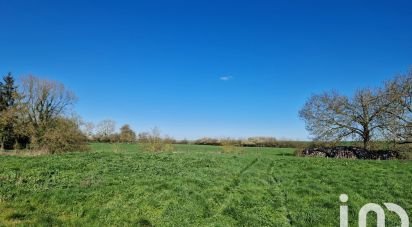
<point>161,63</point>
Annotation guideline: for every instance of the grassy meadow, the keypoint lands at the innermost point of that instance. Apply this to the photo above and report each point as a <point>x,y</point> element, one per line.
<point>194,186</point>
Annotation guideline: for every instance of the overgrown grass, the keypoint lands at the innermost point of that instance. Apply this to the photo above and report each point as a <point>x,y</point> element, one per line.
<point>194,186</point>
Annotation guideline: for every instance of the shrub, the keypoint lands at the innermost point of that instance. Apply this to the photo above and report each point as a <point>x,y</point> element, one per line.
<point>405,150</point>
<point>153,142</point>
<point>230,145</point>
<point>62,135</point>
<point>298,152</point>
<point>116,147</point>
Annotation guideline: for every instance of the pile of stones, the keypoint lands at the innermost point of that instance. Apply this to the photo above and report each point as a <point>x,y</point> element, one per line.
<point>350,153</point>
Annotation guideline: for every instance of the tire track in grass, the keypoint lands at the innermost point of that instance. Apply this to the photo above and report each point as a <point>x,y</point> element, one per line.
<point>248,166</point>
<point>278,184</point>
<point>232,186</point>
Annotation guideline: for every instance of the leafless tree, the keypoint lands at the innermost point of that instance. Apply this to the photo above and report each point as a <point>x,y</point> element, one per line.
<point>45,100</point>
<point>88,129</point>
<point>399,115</point>
<point>334,117</point>
<point>105,129</point>
<point>153,141</point>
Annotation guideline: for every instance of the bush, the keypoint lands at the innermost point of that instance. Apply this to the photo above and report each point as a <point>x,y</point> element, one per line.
<point>62,135</point>
<point>230,145</point>
<point>116,147</point>
<point>405,150</point>
<point>298,152</point>
<point>153,142</point>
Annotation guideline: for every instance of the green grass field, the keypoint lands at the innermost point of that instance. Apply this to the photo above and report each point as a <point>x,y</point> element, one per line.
<point>194,186</point>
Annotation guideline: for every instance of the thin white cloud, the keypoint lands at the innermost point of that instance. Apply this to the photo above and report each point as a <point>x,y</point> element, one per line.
<point>226,78</point>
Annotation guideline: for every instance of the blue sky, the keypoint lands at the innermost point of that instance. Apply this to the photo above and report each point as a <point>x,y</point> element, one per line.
<point>205,68</point>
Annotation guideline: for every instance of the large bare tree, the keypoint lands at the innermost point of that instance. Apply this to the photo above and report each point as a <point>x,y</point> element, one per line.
<point>399,115</point>
<point>45,99</point>
<point>334,117</point>
<point>45,102</point>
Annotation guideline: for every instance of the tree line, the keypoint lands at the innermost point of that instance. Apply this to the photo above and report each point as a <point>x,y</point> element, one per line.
<point>370,114</point>
<point>37,114</point>
<point>105,131</point>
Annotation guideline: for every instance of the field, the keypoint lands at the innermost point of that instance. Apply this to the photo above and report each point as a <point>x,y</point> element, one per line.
<point>194,186</point>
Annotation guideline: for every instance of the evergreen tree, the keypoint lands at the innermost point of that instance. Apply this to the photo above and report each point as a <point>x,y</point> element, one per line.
<point>8,95</point>
<point>2,103</point>
<point>9,91</point>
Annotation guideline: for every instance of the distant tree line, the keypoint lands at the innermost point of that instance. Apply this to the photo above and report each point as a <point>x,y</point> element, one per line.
<point>252,142</point>
<point>105,131</point>
<point>369,115</point>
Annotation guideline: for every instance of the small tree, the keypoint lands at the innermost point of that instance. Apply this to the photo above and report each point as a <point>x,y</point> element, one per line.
<point>88,130</point>
<point>153,142</point>
<point>105,130</point>
<point>127,135</point>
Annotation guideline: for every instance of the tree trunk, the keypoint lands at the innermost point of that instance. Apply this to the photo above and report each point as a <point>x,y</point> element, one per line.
<point>366,144</point>
<point>366,138</point>
<point>1,144</point>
